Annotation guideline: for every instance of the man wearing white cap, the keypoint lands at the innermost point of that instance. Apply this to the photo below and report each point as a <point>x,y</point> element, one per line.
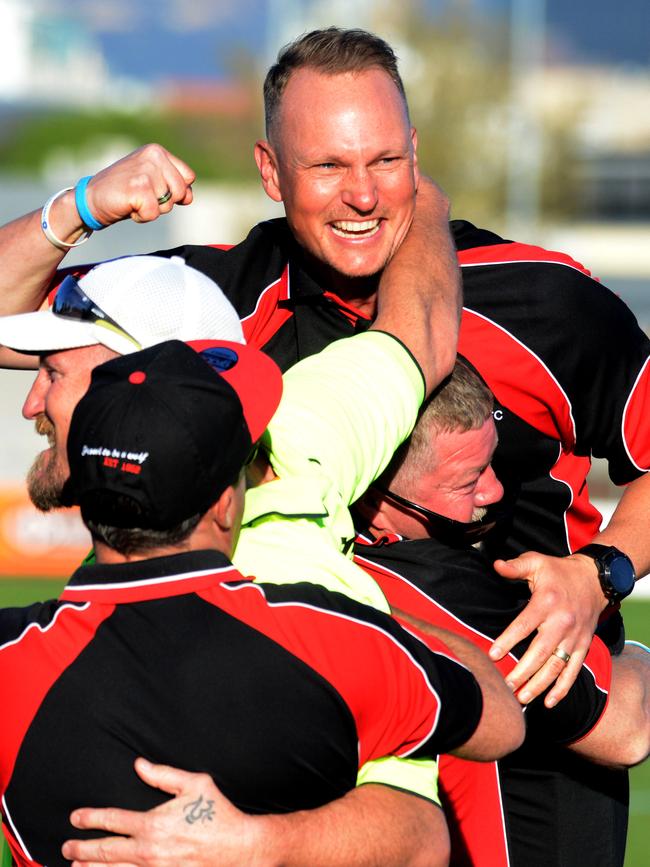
<point>117,308</point>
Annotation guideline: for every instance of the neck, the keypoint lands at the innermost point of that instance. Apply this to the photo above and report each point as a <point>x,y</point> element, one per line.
<point>358,292</point>
<point>109,556</point>
<point>208,535</point>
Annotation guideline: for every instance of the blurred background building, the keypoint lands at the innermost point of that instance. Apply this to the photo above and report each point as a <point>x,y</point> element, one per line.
<point>534,115</point>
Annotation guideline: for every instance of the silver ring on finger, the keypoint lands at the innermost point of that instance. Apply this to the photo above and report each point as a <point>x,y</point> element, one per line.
<point>562,654</point>
<point>162,200</point>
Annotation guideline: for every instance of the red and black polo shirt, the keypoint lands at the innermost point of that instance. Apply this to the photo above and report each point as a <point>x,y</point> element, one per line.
<point>280,693</point>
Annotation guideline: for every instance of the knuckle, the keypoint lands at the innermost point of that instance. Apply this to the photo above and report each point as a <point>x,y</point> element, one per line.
<point>567,619</point>
<point>157,827</point>
<point>203,780</point>
<point>111,816</point>
<point>147,851</point>
<point>141,182</point>
<point>549,597</point>
<point>154,151</point>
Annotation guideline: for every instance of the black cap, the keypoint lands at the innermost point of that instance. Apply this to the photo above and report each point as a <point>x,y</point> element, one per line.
<point>165,431</point>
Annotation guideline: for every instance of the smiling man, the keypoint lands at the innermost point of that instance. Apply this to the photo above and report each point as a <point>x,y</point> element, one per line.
<point>51,413</point>
<point>340,153</point>
<point>348,205</point>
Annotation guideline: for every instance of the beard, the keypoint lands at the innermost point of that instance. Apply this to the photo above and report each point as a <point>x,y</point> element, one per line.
<point>46,478</point>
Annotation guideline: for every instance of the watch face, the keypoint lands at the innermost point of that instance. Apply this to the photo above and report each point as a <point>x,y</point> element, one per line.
<point>621,573</point>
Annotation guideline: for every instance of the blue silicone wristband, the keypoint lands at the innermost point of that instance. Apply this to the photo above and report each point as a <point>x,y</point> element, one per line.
<point>82,206</point>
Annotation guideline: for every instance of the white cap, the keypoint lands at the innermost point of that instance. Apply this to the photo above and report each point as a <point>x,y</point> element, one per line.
<point>152,298</point>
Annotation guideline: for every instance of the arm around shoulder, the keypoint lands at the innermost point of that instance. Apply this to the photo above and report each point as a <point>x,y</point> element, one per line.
<point>371,826</point>
<point>622,736</point>
<point>501,728</point>
<point>420,292</point>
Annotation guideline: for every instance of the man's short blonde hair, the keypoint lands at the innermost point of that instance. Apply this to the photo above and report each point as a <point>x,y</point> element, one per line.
<point>331,51</point>
<point>461,402</point>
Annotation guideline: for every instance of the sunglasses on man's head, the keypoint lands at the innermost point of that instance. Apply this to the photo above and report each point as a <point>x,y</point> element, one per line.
<point>71,302</point>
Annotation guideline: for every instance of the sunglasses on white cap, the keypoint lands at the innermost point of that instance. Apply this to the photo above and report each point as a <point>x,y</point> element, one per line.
<point>71,302</point>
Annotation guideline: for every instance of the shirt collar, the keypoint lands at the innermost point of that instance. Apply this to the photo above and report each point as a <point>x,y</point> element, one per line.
<point>156,578</point>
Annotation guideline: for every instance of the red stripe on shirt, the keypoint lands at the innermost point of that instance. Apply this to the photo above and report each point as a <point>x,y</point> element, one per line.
<point>636,442</point>
<point>267,318</point>
<point>512,251</point>
<point>71,629</point>
<point>307,633</point>
<point>582,519</point>
<point>536,396</point>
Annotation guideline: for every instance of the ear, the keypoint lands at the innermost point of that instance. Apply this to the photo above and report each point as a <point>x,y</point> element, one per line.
<point>223,511</point>
<point>416,170</point>
<point>370,506</point>
<point>267,165</point>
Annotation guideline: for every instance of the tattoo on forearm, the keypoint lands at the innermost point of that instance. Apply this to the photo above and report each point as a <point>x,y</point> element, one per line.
<point>199,811</point>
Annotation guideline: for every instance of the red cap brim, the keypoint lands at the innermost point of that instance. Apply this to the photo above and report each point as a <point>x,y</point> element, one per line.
<point>254,376</point>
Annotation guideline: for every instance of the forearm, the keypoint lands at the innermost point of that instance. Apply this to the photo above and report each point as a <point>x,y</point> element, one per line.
<point>501,729</point>
<point>626,529</point>
<point>372,826</point>
<point>29,260</point>
<point>622,736</point>
<point>420,293</point>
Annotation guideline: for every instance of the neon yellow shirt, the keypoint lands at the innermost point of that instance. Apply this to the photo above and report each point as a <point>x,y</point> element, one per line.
<point>342,415</point>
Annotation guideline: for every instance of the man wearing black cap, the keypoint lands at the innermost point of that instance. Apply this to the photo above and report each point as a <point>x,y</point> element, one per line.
<point>163,649</point>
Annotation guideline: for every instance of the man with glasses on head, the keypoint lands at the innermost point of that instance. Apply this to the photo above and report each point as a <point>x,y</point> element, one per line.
<point>117,308</point>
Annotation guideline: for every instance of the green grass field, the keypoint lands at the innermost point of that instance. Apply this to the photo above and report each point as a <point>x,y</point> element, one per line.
<point>637,620</point>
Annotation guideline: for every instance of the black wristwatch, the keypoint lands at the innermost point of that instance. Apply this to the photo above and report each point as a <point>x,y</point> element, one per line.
<point>615,570</point>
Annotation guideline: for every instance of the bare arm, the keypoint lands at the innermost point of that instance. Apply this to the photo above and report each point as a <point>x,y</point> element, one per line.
<point>567,600</point>
<point>501,729</point>
<point>128,188</point>
<point>622,736</point>
<point>420,292</point>
<point>371,826</point>
<point>627,527</point>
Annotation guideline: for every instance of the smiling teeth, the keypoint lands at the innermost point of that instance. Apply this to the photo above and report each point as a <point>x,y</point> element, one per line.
<point>354,228</point>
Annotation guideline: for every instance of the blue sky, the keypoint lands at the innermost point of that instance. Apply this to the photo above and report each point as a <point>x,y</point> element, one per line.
<point>156,39</point>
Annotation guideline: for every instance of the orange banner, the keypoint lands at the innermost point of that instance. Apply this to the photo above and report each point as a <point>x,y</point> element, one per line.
<point>37,544</point>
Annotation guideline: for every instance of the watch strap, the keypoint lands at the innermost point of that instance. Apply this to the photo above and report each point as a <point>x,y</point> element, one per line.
<point>597,551</point>
<point>600,553</point>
